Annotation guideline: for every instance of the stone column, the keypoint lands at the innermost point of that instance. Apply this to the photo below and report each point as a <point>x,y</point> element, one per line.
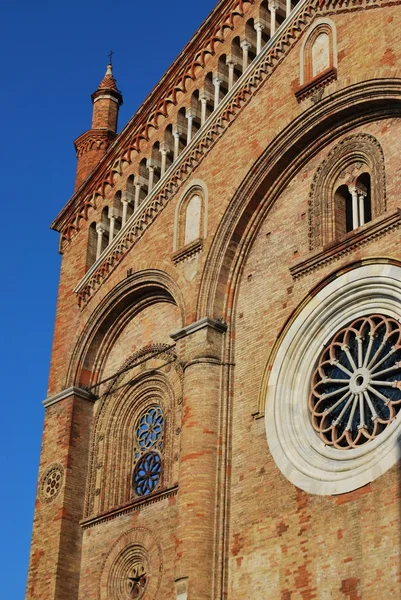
<point>100,230</point>
<point>190,114</point>
<point>112,218</point>
<point>246,46</point>
<point>163,152</point>
<point>200,348</point>
<point>355,219</point>
<point>231,66</point>
<point>361,198</point>
<point>138,187</point>
<point>151,168</point>
<point>259,27</point>
<point>203,100</point>
<point>273,8</point>
<point>57,535</point>
<point>288,8</point>
<point>217,83</point>
<point>176,135</point>
<point>124,203</point>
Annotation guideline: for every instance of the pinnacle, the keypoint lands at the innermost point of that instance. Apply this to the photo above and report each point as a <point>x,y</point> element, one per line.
<point>108,82</point>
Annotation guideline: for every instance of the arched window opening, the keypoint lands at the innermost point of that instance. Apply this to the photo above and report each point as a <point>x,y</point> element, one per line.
<point>92,244</point>
<point>343,211</point>
<point>148,451</point>
<point>128,200</point>
<point>153,165</point>
<point>193,115</point>
<point>142,184</point>
<point>222,76</point>
<point>102,230</point>
<point>251,39</point>
<point>167,149</point>
<point>235,61</point>
<point>207,98</point>
<point>348,189</point>
<point>115,216</point>
<point>180,133</point>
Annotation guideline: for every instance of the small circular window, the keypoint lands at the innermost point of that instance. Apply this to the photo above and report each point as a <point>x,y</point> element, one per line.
<point>356,386</point>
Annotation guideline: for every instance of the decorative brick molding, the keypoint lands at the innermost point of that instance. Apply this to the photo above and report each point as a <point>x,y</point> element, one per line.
<point>188,251</point>
<point>262,67</point>
<point>354,239</point>
<point>138,545</point>
<point>133,506</point>
<point>51,482</point>
<point>317,83</point>
<point>132,390</point>
<point>356,151</point>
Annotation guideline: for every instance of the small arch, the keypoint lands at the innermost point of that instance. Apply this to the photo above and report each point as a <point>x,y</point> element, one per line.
<point>92,244</point>
<point>190,222</point>
<point>348,189</point>
<point>143,181</point>
<point>318,50</point>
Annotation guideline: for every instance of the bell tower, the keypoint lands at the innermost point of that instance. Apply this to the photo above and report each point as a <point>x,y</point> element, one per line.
<point>92,145</point>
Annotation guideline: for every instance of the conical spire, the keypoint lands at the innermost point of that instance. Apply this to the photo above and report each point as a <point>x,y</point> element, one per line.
<point>108,82</point>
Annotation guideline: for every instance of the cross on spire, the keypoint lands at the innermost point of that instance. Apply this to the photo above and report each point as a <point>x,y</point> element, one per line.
<point>111,57</point>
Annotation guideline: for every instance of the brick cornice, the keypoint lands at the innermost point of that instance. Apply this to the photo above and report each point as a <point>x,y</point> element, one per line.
<point>156,105</point>
<point>193,55</point>
<point>336,250</point>
<point>262,67</point>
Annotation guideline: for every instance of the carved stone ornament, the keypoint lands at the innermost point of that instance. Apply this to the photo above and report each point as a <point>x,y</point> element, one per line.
<point>133,567</point>
<point>51,482</point>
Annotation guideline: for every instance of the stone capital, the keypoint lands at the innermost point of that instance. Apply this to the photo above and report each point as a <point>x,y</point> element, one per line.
<point>245,45</point>
<point>200,341</point>
<point>67,393</point>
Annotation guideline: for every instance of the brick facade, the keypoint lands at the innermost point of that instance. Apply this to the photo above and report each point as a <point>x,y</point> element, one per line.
<point>198,335</point>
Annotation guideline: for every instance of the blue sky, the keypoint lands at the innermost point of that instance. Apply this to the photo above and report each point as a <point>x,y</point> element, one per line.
<point>53,55</point>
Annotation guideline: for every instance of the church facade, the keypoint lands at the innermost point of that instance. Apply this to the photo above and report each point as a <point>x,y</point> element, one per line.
<point>222,419</point>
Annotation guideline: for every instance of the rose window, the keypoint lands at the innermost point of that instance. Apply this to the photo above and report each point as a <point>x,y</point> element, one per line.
<point>150,427</point>
<point>147,473</point>
<point>356,386</point>
<point>148,450</point>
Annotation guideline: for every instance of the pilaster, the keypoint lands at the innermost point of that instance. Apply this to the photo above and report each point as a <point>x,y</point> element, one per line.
<point>57,535</point>
<point>200,348</point>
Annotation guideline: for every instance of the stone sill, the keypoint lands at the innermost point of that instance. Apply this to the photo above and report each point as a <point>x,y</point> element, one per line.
<point>318,82</point>
<point>188,251</point>
<point>132,506</point>
<point>352,240</point>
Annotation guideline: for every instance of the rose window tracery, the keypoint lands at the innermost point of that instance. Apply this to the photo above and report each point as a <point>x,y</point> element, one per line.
<point>356,386</point>
<point>148,451</point>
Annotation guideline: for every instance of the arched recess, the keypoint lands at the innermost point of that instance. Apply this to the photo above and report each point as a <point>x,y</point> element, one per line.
<point>126,300</point>
<point>339,113</point>
<point>155,380</point>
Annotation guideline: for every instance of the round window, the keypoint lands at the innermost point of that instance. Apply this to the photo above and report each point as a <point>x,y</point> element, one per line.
<point>335,386</point>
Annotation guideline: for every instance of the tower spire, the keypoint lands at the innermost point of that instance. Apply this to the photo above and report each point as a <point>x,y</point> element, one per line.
<point>93,144</point>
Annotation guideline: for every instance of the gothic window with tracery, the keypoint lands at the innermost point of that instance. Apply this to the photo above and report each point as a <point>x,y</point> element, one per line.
<point>148,451</point>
